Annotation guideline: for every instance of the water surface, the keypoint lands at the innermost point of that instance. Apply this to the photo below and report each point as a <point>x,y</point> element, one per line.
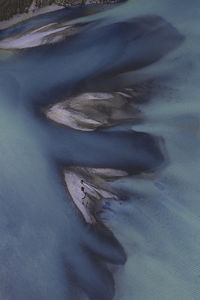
<point>47,250</point>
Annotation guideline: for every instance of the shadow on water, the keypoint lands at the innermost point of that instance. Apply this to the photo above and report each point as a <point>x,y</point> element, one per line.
<point>47,251</point>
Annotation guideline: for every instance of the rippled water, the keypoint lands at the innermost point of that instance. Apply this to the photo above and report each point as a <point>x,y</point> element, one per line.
<point>47,250</point>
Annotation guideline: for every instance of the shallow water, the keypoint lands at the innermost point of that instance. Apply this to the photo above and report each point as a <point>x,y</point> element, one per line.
<point>47,250</point>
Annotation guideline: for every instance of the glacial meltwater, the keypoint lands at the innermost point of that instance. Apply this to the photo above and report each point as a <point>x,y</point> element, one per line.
<point>99,153</point>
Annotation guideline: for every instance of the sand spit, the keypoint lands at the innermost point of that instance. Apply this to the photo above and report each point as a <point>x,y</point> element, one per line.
<point>89,111</point>
<point>88,186</point>
<point>48,34</point>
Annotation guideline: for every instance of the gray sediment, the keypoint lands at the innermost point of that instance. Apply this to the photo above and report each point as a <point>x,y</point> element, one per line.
<point>88,186</point>
<point>89,111</point>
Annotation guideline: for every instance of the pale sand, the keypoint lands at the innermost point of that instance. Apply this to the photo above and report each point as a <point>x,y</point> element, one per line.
<point>95,185</point>
<point>71,119</point>
<point>82,112</point>
<point>37,37</point>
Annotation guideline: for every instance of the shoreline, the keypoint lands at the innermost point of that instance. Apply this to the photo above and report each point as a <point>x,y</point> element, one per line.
<point>31,14</point>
